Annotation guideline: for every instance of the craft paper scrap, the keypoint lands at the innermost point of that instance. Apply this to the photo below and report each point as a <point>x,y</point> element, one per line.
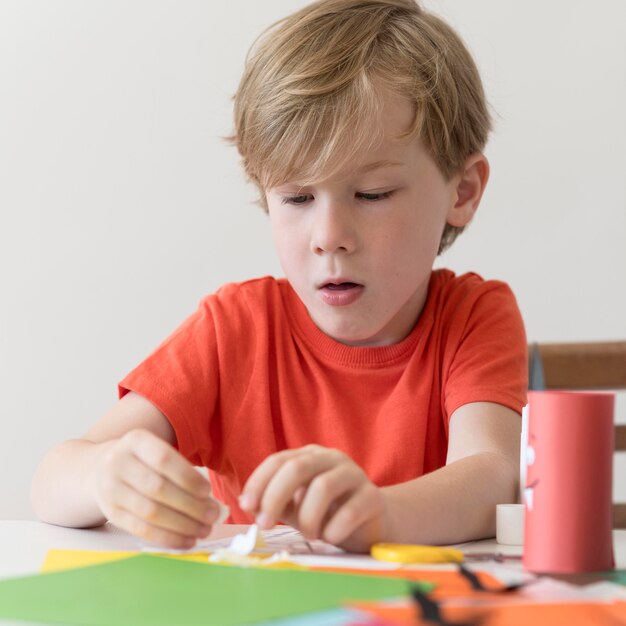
<point>57,560</point>
<point>606,590</point>
<point>276,560</point>
<point>238,546</point>
<point>157,591</point>
<point>244,544</point>
<point>279,539</point>
<point>291,539</point>
<point>580,614</point>
<point>239,552</point>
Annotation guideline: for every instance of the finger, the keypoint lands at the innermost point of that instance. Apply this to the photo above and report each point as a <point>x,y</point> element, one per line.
<point>290,513</point>
<point>159,515</point>
<point>158,488</point>
<point>250,498</point>
<point>149,532</point>
<point>363,505</point>
<point>325,490</point>
<point>298,496</point>
<point>294,473</point>
<point>161,457</point>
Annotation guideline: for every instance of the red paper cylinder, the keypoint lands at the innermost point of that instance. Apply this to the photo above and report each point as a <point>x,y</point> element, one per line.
<point>568,495</point>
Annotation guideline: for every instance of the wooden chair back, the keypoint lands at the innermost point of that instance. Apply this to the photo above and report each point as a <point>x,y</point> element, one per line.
<point>580,366</point>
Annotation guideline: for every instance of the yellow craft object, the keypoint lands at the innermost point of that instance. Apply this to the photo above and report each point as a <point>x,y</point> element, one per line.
<point>57,560</point>
<point>409,553</point>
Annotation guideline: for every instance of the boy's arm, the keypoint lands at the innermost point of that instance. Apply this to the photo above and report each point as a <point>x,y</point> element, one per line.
<point>458,501</point>
<point>126,470</point>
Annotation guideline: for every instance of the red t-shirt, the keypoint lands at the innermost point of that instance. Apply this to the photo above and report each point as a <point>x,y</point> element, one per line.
<point>249,374</point>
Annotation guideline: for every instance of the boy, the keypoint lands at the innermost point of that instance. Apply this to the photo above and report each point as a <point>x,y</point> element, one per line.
<point>366,397</point>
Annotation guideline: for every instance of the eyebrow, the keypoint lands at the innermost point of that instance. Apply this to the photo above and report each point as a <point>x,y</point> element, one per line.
<point>377,165</point>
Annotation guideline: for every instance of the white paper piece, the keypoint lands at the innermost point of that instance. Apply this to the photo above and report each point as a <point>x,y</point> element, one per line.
<point>283,544</point>
<point>244,544</point>
<point>522,454</point>
<point>606,590</point>
<point>239,550</point>
<point>528,497</point>
<point>249,560</point>
<point>505,574</point>
<point>278,539</point>
<point>281,540</point>
<point>292,540</point>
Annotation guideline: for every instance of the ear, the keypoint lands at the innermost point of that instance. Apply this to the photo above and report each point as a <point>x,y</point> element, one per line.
<point>469,185</point>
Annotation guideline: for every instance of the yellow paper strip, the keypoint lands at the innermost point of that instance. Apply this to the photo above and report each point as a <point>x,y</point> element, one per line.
<point>57,560</point>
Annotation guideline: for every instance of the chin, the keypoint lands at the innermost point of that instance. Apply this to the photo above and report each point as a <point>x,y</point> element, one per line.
<point>355,337</point>
<point>341,326</point>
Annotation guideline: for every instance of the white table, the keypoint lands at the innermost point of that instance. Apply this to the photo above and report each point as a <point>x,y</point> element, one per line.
<point>24,544</point>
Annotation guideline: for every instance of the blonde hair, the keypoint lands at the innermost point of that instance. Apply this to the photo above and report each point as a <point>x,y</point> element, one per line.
<point>310,94</point>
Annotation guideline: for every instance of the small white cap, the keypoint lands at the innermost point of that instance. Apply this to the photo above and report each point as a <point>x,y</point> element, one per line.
<point>510,524</point>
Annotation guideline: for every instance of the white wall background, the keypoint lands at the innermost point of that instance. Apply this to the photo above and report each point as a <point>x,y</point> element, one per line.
<point>120,206</point>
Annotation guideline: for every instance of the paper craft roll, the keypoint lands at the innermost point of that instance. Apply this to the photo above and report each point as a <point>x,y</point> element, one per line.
<point>568,495</point>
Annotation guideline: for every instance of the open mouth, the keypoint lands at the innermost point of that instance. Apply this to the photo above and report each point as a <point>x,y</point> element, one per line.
<point>341,293</point>
<point>340,286</point>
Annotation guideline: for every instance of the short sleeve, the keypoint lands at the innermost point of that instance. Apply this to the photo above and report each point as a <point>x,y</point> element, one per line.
<point>487,352</point>
<point>181,378</point>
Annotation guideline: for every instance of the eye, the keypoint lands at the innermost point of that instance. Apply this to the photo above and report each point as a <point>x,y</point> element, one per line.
<point>301,199</point>
<point>374,197</point>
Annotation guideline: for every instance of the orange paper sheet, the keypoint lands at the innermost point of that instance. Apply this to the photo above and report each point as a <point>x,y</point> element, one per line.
<point>578,614</point>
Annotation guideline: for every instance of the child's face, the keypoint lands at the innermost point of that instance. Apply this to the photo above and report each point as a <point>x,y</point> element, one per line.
<point>358,247</point>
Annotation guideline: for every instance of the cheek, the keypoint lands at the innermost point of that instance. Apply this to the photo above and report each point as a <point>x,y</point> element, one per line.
<point>433,222</point>
<point>290,245</point>
<point>415,240</point>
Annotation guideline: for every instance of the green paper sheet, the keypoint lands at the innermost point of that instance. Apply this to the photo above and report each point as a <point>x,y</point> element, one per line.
<point>155,591</point>
<point>618,576</point>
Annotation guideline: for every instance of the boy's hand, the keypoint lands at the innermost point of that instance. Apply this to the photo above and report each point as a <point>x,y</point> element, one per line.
<point>146,487</point>
<point>320,491</point>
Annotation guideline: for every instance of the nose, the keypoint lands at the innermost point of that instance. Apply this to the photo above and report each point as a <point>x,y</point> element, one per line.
<point>333,230</point>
